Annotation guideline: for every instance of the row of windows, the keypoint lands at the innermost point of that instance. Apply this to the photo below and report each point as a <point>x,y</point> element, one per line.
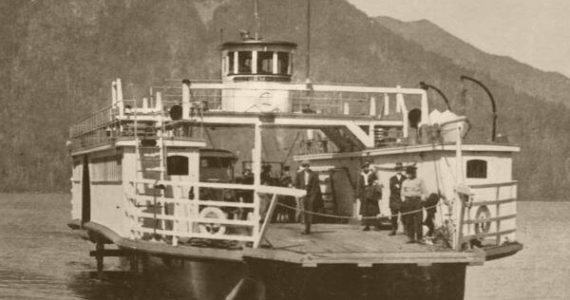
<point>178,165</point>
<point>265,63</point>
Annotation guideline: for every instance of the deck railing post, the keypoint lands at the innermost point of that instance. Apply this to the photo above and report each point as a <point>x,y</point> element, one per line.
<point>372,111</point>
<point>401,107</point>
<point>386,104</point>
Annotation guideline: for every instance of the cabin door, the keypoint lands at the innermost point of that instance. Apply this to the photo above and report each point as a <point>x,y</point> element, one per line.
<point>85,192</point>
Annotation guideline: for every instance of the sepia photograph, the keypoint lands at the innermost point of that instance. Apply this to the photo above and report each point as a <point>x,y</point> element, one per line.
<point>284,149</point>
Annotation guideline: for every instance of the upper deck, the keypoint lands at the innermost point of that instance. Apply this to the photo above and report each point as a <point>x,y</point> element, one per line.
<point>351,117</point>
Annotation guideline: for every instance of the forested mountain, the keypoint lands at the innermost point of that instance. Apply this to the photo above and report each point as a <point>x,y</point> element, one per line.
<point>549,86</point>
<point>58,57</point>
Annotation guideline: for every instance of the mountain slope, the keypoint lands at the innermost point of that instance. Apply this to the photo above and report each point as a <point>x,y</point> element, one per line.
<point>62,56</point>
<point>549,86</point>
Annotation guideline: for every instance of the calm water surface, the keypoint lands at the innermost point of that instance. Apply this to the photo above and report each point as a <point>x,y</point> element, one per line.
<point>40,258</point>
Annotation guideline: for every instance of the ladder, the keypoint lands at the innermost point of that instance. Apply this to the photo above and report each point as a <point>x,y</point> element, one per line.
<point>150,153</point>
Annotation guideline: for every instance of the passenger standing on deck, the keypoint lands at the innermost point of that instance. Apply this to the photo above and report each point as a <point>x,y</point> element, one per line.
<point>395,197</point>
<point>413,192</point>
<point>309,181</point>
<point>285,213</point>
<point>369,192</point>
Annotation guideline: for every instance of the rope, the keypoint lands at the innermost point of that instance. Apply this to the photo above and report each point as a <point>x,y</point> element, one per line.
<point>350,217</point>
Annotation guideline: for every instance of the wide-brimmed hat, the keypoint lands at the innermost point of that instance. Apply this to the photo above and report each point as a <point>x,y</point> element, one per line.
<point>365,164</point>
<point>399,167</point>
<point>305,163</point>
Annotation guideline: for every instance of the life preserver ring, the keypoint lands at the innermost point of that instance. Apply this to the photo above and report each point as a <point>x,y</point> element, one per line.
<point>211,212</point>
<point>482,213</point>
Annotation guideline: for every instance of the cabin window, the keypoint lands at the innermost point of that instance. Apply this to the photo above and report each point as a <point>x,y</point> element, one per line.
<point>476,168</point>
<point>215,162</point>
<point>264,62</point>
<point>283,63</point>
<point>230,61</point>
<point>244,62</point>
<point>106,170</point>
<point>177,165</point>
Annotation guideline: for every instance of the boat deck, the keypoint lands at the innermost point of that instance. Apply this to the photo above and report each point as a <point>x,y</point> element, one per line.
<point>348,244</point>
<point>328,244</point>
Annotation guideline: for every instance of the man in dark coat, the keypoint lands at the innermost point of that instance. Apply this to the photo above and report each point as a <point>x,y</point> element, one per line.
<point>395,197</point>
<point>309,181</point>
<point>285,213</point>
<point>369,192</point>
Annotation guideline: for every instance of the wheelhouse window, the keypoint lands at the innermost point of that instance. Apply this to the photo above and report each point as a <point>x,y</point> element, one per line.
<point>264,62</point>
<point>476,168</point>
<point>244,62</point>
<point>177,165</point>
<point>283,63</point>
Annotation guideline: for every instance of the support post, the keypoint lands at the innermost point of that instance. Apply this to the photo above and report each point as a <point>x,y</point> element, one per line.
<point>114,93</point>
<point>386,104</point>
<point>275,65</point>
<point>99,255</point>
<point>460,207</point>
<point>401,107</point>
<point>254,66</point>
<point>145,105</point>
<point>256,169</point>
<point>266,221</point>
<point>235,66</point>
<point>372,111</point>
<point>459,155</point>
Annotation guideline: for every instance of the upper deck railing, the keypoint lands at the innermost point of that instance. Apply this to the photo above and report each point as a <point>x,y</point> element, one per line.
<point>377,103</point>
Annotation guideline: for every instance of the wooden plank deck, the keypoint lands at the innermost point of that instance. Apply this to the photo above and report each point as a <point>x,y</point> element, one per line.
<point>328,244</point>
<point>348,244</point>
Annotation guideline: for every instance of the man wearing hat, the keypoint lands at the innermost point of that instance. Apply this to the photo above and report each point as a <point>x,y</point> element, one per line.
<point>309,181</point>
<point>395,197</point>
<point>412,194</point>
<point>369,192</point>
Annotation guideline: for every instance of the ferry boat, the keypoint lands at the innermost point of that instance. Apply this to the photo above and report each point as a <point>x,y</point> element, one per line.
<point>156,180</point>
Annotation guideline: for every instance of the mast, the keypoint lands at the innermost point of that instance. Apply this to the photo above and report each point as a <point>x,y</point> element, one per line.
<point>257,20</point>
<point>308,61</point>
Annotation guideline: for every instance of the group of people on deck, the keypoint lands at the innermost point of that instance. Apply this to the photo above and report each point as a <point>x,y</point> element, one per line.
<point>408,197</point>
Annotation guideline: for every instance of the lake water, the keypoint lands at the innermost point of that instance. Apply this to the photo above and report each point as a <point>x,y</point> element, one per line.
<point>41,258</point>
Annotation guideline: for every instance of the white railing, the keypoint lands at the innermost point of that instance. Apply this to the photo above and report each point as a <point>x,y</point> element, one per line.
<point>187,215</point>
<point>487,214</point>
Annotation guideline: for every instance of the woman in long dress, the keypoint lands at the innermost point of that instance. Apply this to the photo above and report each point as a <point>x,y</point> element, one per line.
<point>369,192</point>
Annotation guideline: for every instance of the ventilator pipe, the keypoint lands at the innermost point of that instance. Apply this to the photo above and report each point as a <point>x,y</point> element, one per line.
<point>494,132</point>
<point>120,102</point>
<point>426,86</point>
<point>185,98</point>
